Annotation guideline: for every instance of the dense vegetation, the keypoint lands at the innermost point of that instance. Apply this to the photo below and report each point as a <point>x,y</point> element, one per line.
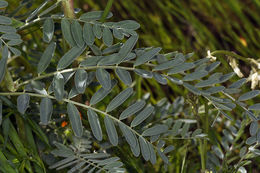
<point>80,91</point>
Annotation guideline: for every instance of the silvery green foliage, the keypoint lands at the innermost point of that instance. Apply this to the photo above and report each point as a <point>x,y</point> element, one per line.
<point>118,60</point>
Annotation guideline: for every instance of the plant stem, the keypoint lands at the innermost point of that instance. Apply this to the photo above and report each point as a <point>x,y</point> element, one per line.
<point>68,8</point>
<point>217,52</point>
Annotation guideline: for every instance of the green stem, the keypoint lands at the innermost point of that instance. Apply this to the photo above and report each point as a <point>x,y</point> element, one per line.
<point>68,8</point>
<point>217,52</point>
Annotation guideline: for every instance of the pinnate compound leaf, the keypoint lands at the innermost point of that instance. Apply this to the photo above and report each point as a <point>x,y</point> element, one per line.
<point>155,130</point>
<point>23,103</point>
<point>181,68</point>
<point>249,95</point>
<point>255,107</point>
<point>192,89</point>
<point>95,124</point>
<point>144,148</point>
<point>111,131</point>
<point>48,30</point>
<point>88,34</point>
<point>58,86</point>
<point>46,58</point>
<point>66,32</point>
<point>80,79</point>
<point>195,75</point>
<point>77,33</point>
<point>134,108</point>
<point>178,60</point>
<point>119,99</point>
<point>142,116</point>
<point>107,37</point>
<point>94,15</point>
<point>70,56</point>
<point>3,62</point>
<point>147,56</point>
<point>46,109</point>
<point>124,76</point>
<point>103,78</point>
<point>101,93</point>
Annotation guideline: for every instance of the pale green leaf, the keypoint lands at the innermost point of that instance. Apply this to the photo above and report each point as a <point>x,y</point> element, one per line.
<point>124,76</point>
<point>160,78</point>
<point>134,108</point>
<point>195,75</point>
<point>129,135</point>
<point>111,131</point>
<point>88,34</point>
<point>48,30</point>
<point>253,128</point>
<point>3,4</point>
<point>174,80</point>
<point>127,47</point>
<point>91,61</point>
<point>95,124</point>
<point>143,115</point>
<point>23,103</point>
<point>46,58</point>
<point>101,93</point>
<point>80,80</point>
<point>103,78</point>
<point>255,107</point>
<point>155,130</point>
<point>66,32</point>
<point>70,56</point>
<point>144,73</point>
<point>58,86</point>
<point>94,15</point>
<point>178,60</point>
<point>152,154</point>
<point>46,109</point>
<point>144,148</point>
<point>14,42</point>
<point>147,56</point>
<point>238,83</point>
<point>119,99</point>
<point>181,68</point>
<point>97,31</point>
<point>118,33</point>
<point>5,20</point>
<point>192,89</point>
<point>77,34</point>
<point>107,37</point>
<point>15,51</point>
<point>11,36</point>
<point>7,29</point>
<point>249,95</point>
<point>128,24</point>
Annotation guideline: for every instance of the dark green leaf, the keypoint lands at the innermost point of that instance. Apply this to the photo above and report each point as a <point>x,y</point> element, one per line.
<point>11,36</point>
<point>48,30</point>
<point>88,34</point>
<point>66,32</point>
<point>3,4</point>
<point>155,130</point>
<point>178,60</point>
<point>101,93</point>
<point>5,20</point>
<point>238,83</point>
<point>118,34</point>
<point>80,79</point>
<point>95,124</point>
<point>129,135</point>
<point>7,29</point>
<point>168,149</point>
<point>111,131</point>
<point>70,56</point>
<point>142,116</point>
<point>160,78</point>
<point>181,68</point>
<point>127,47</point>
<point>109,60</point>
<point>46,109</point>
<point>94,15</point>
<point>128,24</point>
<point>107,37</point>
<point>255,107</point>
<point>58,86</point>
<point>134,108</point>
<point>75,119</point>
<point>249,95</point>
<point>144,73</point>
<point>214,90</point>
<point>251,140</point>
<point>253,128</point>
<point>192,89</point>
<point>73,92</point>
<point>205,83</point>
<point>77,34</point>
<point>103,78</point>
<point>212,66</point>
<point>226,77</point>
<point>185,130</point>
<point>112,49</point>
<point>144,148</point>
<point>175,80</point>
<point>15,51</point>
<point>3,62</point>
<point>152,154</point>
<point>91,61</point>
<point>14,42</point>
<point>97,31</point>
<point>46,57</point>
<point>147,56</point>
<point>163,156</point>
<point>119,99</point>
<point>195,75</point>
<point>23,103</point>
<point>124,76</point>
